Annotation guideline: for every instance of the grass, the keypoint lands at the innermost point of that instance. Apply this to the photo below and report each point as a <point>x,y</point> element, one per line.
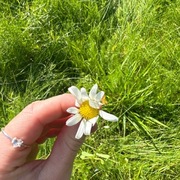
<point>129,48</point>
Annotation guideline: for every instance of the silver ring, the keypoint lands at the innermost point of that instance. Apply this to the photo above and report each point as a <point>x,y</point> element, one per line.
<point>16,143</point>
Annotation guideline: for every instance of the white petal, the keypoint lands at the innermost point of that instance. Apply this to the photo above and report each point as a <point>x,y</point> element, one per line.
<point>94,104</point>
<point>93,120</point>
<point>99,96</point>
<point>84,94</point>
<point>107,116</point>
<point>73,120</point>
<point>88,127</point>
<point>73,110</point>
<point>93,91</point>
<point>77,104</point>
<point>80,130</point>
<point>75,92</point>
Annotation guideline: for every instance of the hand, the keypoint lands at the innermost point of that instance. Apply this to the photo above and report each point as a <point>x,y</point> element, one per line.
<point>37,122</point>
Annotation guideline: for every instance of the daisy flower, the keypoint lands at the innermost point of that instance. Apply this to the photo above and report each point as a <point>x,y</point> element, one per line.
<point>87,110</point>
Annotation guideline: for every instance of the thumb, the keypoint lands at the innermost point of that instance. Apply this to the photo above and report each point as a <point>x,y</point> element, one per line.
<point>63,153</point>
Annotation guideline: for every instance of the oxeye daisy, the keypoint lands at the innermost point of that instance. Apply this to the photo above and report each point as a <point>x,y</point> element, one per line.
<point>87,109</point>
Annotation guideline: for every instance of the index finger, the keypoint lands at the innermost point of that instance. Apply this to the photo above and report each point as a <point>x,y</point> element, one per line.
<point>29,123</point>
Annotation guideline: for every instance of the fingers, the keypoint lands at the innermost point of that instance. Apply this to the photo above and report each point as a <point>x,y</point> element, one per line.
<point>28,125</point>
<point>53,132</point>
<point>65,149</point>
<point>52,129</point>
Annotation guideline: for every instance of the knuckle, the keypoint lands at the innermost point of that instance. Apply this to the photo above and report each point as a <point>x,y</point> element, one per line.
<point>31,107</point>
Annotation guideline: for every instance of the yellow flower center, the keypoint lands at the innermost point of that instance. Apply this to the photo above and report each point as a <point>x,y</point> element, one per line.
<point>87,111</point>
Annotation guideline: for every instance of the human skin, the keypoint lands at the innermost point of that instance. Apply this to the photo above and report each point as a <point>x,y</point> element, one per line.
<point>34,124</point>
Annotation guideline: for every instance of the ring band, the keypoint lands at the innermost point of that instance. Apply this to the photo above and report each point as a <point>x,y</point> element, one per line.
<point>17,143</point>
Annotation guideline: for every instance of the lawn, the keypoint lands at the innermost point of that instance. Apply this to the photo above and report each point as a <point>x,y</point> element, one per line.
<point>129,48</point>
